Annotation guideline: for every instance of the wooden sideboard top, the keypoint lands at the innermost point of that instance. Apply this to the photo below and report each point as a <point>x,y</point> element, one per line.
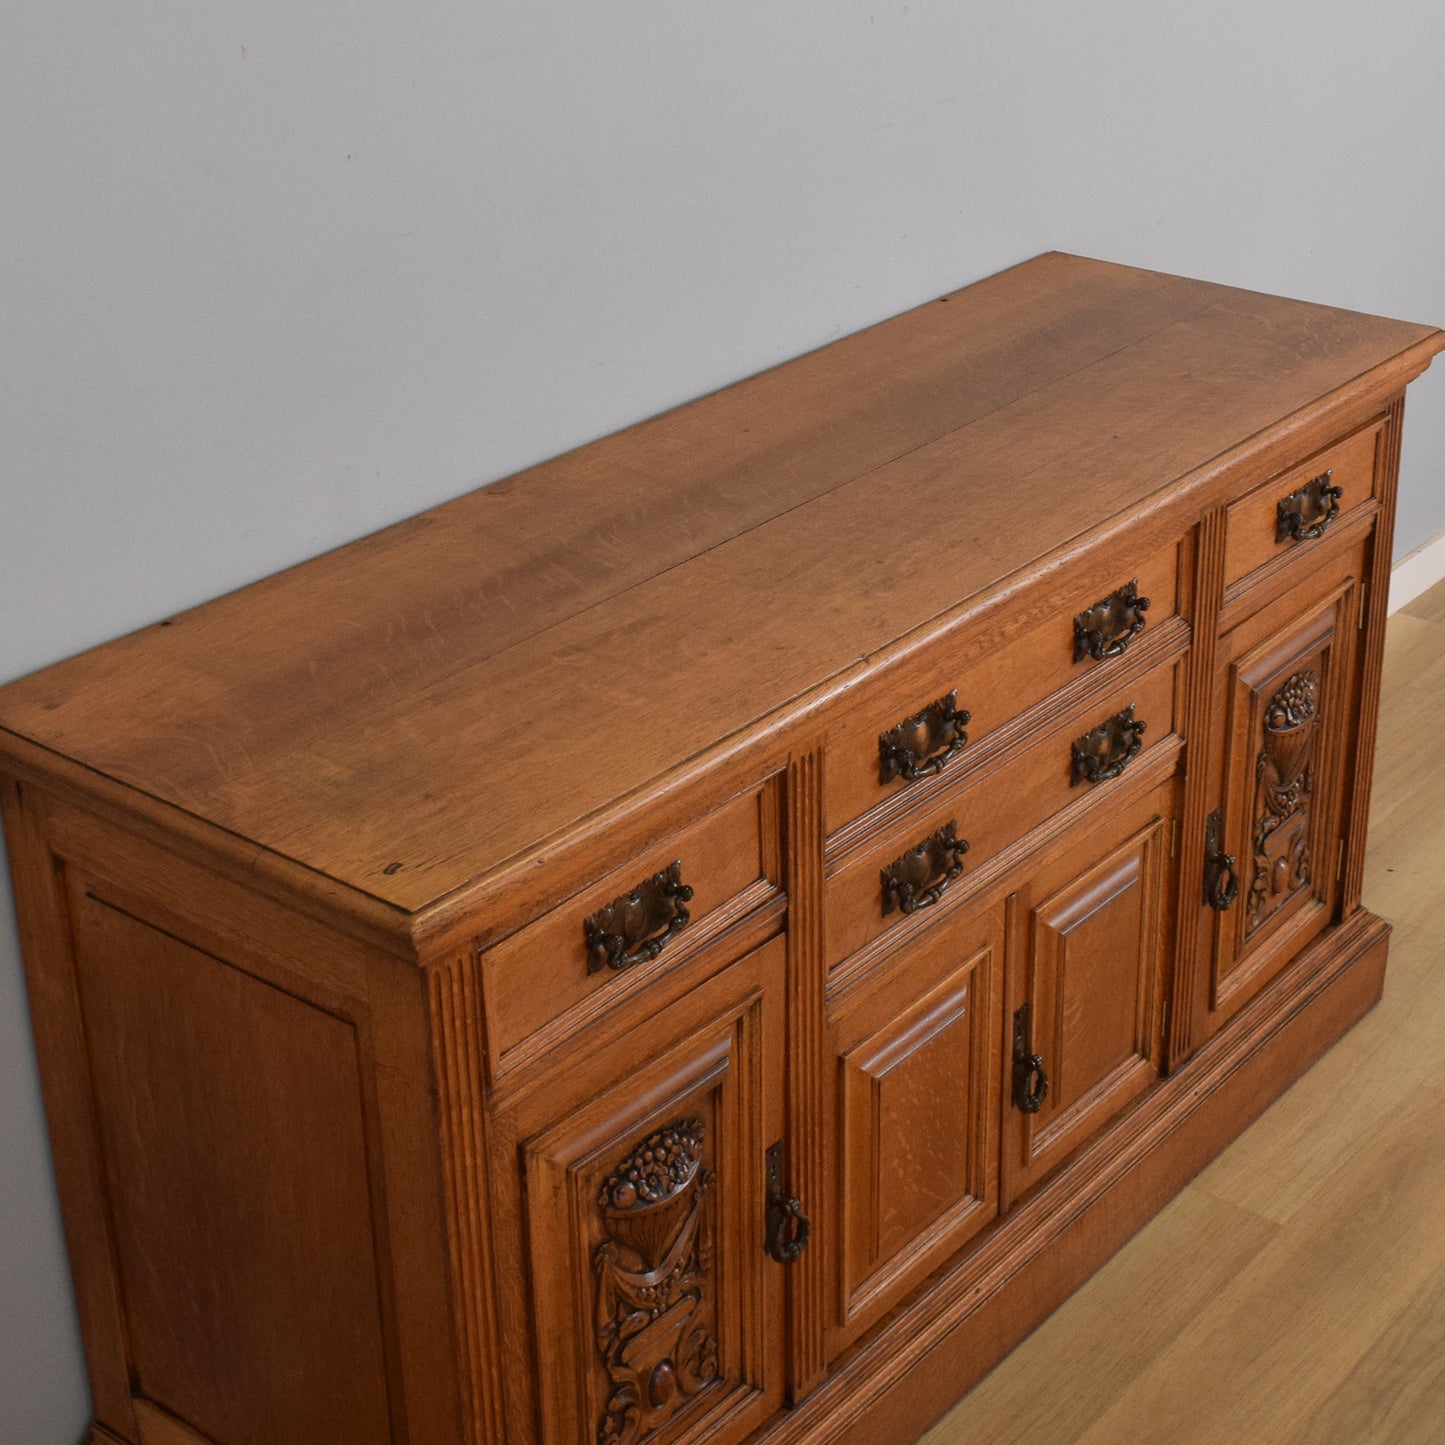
<point>449,693</point>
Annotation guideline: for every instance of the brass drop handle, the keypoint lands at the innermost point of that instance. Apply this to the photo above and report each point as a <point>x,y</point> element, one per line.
<point>919,878</point>
<point>1221,876</point>
<point>1307,511</point>
<point>922,745</point>
<point>633,929</point>
<point>1105,751</point>
<point>1031,1079</point>
<point>788,1228</point>
<point>1108,627</point>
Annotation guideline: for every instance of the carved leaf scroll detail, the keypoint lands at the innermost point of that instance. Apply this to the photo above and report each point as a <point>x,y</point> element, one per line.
<point>652,1275</point>
<point>1283,779</point>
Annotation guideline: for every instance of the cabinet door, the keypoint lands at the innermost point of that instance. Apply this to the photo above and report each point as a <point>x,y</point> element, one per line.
<point>1287,680</point>
<point>917,1111</point>
<point>1089,937</point>
<point>655,1310</point>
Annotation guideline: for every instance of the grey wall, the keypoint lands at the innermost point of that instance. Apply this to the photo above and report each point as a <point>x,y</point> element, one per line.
<point>274,275</point>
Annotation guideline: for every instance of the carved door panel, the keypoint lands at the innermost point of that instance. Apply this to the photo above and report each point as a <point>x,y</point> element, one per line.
<point>1287,677</point>
<point>1089,936</point>
<point>655,1310</point>
<point>917,1115</point>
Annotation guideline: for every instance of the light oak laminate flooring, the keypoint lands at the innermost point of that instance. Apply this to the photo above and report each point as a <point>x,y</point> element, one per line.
<point>1294,1293</point>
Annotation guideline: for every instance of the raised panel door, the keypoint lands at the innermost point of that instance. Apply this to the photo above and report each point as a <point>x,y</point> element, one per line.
<point>916,1051</point>
<point>1287,677</point>
<point>1089,939</point>
<point>655,1309</point>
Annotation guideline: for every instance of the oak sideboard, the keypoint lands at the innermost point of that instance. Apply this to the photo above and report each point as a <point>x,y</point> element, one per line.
<point>714,937</point>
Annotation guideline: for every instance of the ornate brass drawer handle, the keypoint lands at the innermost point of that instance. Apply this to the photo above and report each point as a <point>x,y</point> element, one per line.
<point>918,879</point>
<point>788,1228</point>
<point>921,745</point>
<point>1307,511</point>
<point>633,929</point>
<point>1221,877</point>
<point>1107,628</point>
<point>1031,1079</point>
<point>1108,749</point>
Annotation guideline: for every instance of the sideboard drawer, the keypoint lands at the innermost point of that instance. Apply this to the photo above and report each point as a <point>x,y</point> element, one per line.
<point>996,809</point>
<point>1290,511</point>
<point>641,919</point>
<point>899,739</point>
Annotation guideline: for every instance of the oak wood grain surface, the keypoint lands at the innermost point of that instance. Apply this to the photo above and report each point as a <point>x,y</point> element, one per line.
<point>362,711</point>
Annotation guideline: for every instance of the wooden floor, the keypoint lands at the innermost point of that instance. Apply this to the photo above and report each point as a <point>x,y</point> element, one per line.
<point>1294,1294</point>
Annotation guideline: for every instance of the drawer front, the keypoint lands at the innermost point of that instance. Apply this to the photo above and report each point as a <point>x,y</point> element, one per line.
<point>907,732</point>
<point>644,918</point>
<point>932,859</point>
<point>1283,517</point>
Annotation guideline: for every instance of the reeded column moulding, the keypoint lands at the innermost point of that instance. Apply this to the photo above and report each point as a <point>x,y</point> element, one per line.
<point>423,1069</point>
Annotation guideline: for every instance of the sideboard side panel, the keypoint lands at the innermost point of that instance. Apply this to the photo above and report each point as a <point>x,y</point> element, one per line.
<point>235,1161</point>
<point>246,1146</point>
<point>70,1115</point>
